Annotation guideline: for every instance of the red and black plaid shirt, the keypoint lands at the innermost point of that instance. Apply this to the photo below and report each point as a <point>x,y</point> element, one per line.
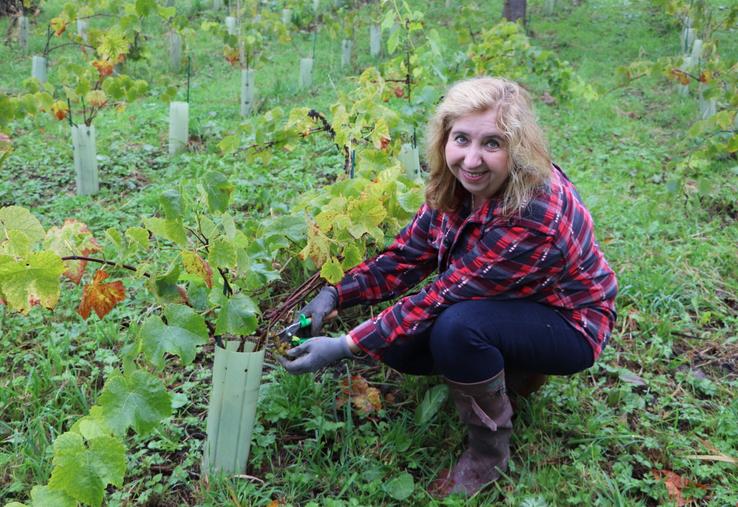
<point>548,254</point>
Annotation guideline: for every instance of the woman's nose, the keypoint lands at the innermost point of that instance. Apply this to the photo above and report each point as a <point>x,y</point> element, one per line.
<point>472,157</point>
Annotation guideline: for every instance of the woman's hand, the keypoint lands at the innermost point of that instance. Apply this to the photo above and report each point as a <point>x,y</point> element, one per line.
<point>319,307</point>
<point>316,353</point>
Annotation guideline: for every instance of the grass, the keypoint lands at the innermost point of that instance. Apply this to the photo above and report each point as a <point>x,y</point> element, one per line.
<point>663,391</point>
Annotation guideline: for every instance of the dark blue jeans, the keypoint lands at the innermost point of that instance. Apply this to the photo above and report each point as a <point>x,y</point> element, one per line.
<point>472,341</point>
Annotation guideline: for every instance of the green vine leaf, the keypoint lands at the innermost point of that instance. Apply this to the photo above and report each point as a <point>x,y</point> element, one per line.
<point>222,254</point>
<point>184,330</point>
<point>165,287</point>
<point>138,400</point>
<point>44,496</point>
<point>237,316</point>
<point>83,470</point>
<point>173,230</point>
<point>218,191</point>
<point>171,204</point>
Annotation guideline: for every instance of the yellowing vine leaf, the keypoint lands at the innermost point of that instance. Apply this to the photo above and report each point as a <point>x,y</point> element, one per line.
<point>17,218</point>
<point>332,271</point>
<point>196,265</point>
<point>101,297</point>
<point>72,238</point>
<point>31,281</point>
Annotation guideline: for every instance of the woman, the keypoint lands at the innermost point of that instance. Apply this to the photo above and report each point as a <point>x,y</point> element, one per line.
<point>521,283</point>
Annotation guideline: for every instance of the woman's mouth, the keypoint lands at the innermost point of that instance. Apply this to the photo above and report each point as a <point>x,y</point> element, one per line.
<point>472,176</point>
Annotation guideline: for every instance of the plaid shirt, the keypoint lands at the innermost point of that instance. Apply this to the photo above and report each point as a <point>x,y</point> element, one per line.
<point>548,254</point>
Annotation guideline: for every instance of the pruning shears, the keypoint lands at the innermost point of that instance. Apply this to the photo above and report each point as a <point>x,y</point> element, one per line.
<point>289,334</point>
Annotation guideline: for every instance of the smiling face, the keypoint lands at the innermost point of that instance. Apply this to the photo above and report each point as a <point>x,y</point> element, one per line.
<point>476,154</point>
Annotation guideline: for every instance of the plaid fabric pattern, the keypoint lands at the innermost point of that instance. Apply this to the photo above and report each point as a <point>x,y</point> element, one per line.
<point>547,254</point>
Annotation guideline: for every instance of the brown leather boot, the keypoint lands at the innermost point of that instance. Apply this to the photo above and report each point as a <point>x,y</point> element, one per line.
<point>523,383</point>
<point>486,411</point>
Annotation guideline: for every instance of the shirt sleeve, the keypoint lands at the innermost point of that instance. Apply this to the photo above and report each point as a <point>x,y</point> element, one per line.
<point>509,262</point>
<point>409,259</point>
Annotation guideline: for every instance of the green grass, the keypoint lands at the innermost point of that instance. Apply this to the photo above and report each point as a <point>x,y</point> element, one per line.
<point>595,438</point>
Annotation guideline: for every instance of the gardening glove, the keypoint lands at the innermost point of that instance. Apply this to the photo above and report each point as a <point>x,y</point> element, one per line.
<point>315,353</point>
<point>320,306</point>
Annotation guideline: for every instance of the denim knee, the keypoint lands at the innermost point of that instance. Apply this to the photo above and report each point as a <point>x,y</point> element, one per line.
<point>459,350</point>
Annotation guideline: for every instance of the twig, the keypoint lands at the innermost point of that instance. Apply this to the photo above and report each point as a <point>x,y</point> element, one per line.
<point>102,261</point>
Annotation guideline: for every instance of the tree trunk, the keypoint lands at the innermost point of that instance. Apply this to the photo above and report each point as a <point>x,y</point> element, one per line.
<point>514,10</point>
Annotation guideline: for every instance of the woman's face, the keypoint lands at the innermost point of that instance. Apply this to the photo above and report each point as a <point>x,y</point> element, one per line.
<point>476,154</point>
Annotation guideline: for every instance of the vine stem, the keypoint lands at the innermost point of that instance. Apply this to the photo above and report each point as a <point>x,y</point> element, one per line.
<point>280,313</point>
<point>102,261</point>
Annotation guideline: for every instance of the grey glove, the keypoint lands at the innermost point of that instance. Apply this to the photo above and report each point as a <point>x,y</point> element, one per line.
<point>320,306</point>
<point>315,353</point>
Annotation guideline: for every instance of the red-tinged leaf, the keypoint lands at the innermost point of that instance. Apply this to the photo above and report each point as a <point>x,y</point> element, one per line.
<point>59,109</point>
<point>104,67</point>
<point>101,297</point>
<point>73,238</point>
<point>680,76</point>
<point>59,25</point>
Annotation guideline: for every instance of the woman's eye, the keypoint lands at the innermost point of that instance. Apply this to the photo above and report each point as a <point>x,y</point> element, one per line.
<point>493,143</point>
<point>460,138</point>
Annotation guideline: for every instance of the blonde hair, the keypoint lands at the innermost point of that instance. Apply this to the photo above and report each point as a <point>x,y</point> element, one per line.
<point>528,159</point>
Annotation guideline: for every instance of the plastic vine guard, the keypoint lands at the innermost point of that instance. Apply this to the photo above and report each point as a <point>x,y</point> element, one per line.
<point>232,408</point>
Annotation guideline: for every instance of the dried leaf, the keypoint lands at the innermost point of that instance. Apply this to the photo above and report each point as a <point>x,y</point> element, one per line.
<point>365,399</point>
<point>675,483</point>
<point>101,297</point>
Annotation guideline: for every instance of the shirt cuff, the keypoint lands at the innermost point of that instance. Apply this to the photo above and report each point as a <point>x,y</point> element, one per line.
<point>366,336</point>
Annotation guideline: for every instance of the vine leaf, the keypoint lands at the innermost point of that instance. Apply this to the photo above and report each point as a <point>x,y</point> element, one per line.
<point>101,297</point>
<point>33,281</point>
<point>218,191</point>
<point>184,331</point>
<point>222,254</point>
<point>44,496</point>
<point>21,220</point>
<point>83,470</point>
<point>196,265</point>
<point>138,400</point>
<point>165,287</point>
<point>173,230</point>
<point>237,316</point>
<point>171,204</point>
<point>72,238</point>
<point>332,271</point>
